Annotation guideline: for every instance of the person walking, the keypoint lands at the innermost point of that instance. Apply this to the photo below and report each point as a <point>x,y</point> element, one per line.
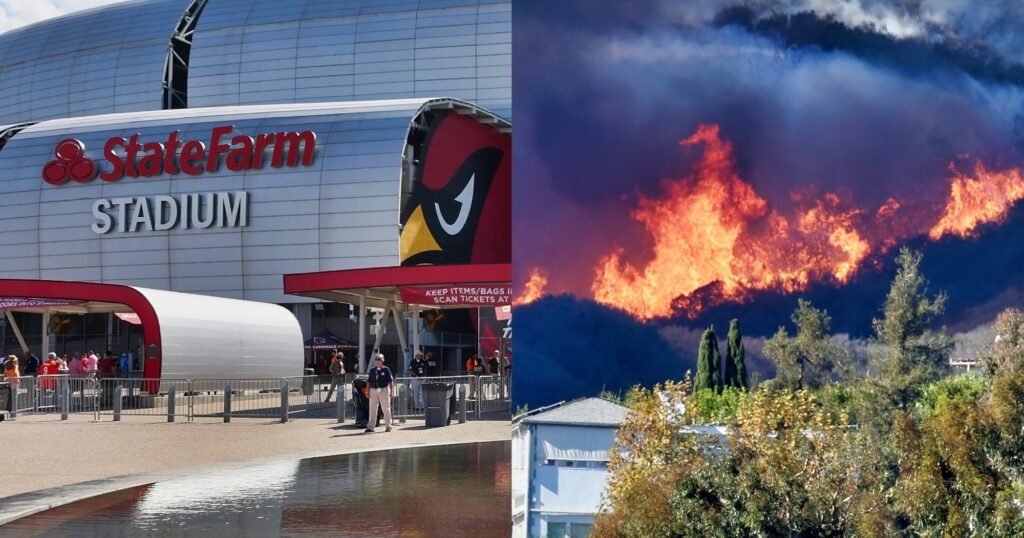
<point>418,368</point>
<point>31,363</point>
<point>475,368</point>
<point>337,370</point>
<point>76,368</point>
<point>47,371</point>
<point>380,381</point>
<point>108,365</point>
<point>11,372</point>
<point>124,366</point>
<point>433,367</point>
<point>494,363</point>
<point>91,364</point>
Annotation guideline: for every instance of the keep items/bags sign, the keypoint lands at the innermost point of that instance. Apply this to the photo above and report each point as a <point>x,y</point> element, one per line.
<point>457,296</point>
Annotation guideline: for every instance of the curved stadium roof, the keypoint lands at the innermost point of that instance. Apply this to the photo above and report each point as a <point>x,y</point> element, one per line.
<point>114,58</point>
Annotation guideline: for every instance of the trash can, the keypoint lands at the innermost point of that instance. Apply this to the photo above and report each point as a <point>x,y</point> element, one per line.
<point>307,381</point>
<point>362,404</point>
<point>6,400</point>
<point>439,407</point>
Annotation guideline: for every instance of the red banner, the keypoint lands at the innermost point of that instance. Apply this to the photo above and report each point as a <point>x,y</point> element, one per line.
<point>130,317</point>
<point>457,296</point>
<point>10,303</point>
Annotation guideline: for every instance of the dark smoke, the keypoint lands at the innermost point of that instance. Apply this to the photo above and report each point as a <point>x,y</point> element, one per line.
<point>912,56</point>
<point>568,347</point>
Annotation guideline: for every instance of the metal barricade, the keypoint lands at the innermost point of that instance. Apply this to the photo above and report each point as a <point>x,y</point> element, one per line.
<point>24,393</point>
<point>408,402</point>
<point>248,397</point>
<point>48,393</point>
<point>224,398</point>
<point>136,396</point>
<point>83,393</point>
<point>310,393</point>
<point>492,393</point>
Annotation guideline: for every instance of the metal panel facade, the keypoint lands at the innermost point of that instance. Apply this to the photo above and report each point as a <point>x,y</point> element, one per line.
<point>108,59</point>
<point>341,212</point>
<point>111,59</point>
<point>247,52</point>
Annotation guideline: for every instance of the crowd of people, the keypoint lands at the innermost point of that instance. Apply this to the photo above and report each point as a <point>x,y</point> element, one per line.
<point>79,365</point>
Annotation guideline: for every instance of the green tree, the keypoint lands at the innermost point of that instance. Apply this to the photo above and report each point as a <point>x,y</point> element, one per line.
<point>735,361</point>
<point>1007,351</point>
<point>909,354</point>
<point>708,362</point>
<point>645,462</point>
<point>809,356</point>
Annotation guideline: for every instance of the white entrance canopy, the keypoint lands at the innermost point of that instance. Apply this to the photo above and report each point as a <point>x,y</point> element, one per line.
<point>186,335</point>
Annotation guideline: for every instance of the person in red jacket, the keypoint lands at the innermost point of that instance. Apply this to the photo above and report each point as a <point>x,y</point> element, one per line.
<point>108,366</point>
<point>475,368</point>
<point>49,367</point>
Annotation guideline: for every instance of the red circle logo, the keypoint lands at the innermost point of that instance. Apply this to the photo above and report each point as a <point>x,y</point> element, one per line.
<point>70,164</point>
<point>69,148</point>
<point>56,173</point>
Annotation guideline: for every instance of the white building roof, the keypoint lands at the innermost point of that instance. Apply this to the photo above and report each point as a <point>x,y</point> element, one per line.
<point>583,412</point>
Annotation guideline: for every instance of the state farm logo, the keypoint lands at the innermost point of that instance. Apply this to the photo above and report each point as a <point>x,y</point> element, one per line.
<point>71,163</point>
<point>134,157</point>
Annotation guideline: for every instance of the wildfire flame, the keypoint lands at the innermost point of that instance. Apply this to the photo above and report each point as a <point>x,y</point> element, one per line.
<point>715,239</point>
<point>534,288</point>
<point>985,198</point>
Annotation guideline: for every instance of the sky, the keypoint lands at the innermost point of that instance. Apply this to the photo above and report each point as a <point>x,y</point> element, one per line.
<point>18,13</point>
<point>718,159</point>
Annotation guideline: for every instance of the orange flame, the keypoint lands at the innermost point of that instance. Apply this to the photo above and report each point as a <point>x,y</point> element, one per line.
<point>534,288</point>
<point>715,239</point>
<point>985,198</point>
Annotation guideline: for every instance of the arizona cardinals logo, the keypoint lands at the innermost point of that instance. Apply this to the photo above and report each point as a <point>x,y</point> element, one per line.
<point>460,207</point>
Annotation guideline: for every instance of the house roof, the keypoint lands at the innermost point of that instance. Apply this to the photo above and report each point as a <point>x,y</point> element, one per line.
<point>582,412</point>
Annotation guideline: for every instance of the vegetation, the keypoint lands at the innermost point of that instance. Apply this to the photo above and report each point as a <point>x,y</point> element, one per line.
<point>709,362</point>
<point>903,451</point>
<point>708,406</point>
<point>911,354</point>
<point>807,357</point>
<point>735,358</point>
<point>1007,351</point>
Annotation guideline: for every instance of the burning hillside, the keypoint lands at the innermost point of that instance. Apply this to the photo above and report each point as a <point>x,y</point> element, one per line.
<point>715,239</point>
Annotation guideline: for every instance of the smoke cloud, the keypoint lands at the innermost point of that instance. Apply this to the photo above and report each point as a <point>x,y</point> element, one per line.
<point>869,100</point>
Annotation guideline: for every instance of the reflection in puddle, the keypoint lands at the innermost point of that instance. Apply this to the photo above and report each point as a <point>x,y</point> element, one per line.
<point>429,491</point>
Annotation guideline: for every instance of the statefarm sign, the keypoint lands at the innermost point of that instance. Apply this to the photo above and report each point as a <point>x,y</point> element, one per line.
<point>452,296</point>
<point>132,157</point>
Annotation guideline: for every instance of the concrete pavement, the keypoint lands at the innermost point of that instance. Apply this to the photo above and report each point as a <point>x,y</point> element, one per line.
<point>43,452</point>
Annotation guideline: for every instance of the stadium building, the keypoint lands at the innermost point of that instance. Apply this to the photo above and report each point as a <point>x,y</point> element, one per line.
<point>346,160</point>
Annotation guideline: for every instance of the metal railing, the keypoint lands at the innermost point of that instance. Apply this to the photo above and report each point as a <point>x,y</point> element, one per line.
<point>131,396</point>
<point>279,398</point>
<point>492,393</point>
<point>408,400</point>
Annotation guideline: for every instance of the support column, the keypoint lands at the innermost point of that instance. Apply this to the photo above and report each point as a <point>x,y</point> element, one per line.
<point>17,331</point>
<point>379,335</point>
<point>46,335</point>
<point>402,339</point>
<point>110,331</point>
<point>362,334</point>
<point>416,329</point>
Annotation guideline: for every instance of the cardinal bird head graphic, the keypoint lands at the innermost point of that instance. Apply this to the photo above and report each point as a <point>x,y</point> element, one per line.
<point>459,210</point>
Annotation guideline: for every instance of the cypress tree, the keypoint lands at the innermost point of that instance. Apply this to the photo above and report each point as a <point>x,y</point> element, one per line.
<point>716,360</point>
<point>735,358</point>
<point>704,380</point>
